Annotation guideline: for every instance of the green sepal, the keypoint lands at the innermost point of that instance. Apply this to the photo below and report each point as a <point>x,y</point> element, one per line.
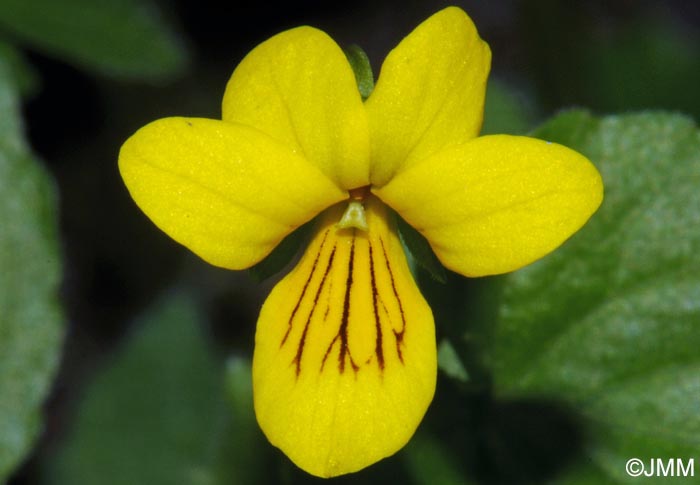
<point>361,67</point>
<point>283,254</point>
<point>420,250</point>
<point>450,363</point>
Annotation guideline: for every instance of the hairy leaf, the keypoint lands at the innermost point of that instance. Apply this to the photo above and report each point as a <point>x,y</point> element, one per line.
<point>610,323</point>
<point>31,322</point>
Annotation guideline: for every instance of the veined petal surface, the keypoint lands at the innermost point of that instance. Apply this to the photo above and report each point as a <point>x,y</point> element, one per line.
<point>430,93</point>
<point>299,88</point>
<point>227,192</point>
<point>496,203</point>
<point>345,358</point>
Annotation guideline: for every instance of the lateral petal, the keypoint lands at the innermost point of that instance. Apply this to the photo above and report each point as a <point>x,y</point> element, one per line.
<point>496,203</point>
<point>345,360</point>
<point>227,192</point>
<point>299,88</point>
<point>430,93</point>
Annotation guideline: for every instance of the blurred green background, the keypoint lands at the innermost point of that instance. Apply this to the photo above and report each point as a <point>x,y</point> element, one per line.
<point>141,371</point>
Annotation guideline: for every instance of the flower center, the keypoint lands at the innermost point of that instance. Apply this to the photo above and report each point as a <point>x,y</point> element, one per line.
<point>354,215</point>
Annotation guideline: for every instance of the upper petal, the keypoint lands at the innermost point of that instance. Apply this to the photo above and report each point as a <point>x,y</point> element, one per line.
<point>496,203</point>
<point>227,192</point>
<point>299,88</point>
<point>430,93</point>
<point>345,361</point>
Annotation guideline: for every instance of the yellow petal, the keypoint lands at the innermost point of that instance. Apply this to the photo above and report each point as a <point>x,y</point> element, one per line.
<point>299,88</point>
<point>345,361</point>
<point>229,193</point>
<point>498,202</point>
<point>430,93</point>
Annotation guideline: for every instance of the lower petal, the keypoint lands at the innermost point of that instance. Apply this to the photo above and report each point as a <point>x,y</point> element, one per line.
<point>345,361</point>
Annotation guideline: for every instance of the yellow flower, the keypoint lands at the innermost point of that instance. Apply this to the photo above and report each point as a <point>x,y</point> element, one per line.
<point>345,359</point>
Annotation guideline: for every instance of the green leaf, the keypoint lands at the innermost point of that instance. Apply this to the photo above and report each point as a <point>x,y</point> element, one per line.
<point>31,330</point>
<point>155,414</point>
<point>614,69</point>
<point>610,323</point>
<point>246,451</point>
<point>363,70</point>
<point>506,110</point>
<point>24,75</point>
<point>121,38</point>
<point>430,462</point>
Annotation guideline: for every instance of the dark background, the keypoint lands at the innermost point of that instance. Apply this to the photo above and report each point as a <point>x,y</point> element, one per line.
<point>608,56</point>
